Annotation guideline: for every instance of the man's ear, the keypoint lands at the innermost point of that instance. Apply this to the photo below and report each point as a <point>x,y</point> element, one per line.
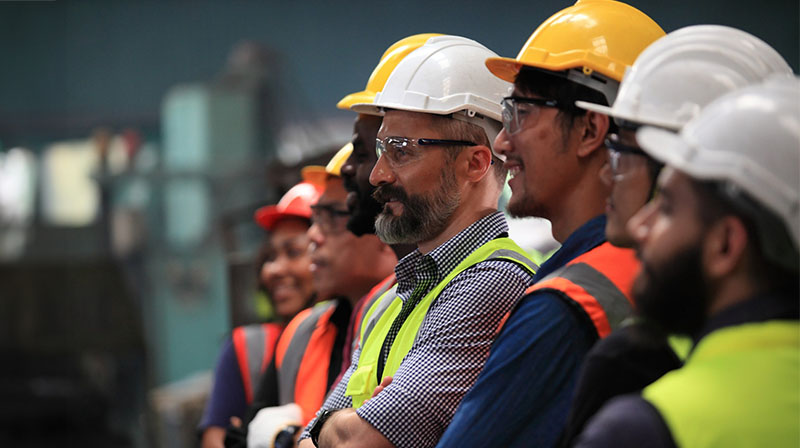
<point>593,133</point>
<point>725,246</point>
<point>477,162</point>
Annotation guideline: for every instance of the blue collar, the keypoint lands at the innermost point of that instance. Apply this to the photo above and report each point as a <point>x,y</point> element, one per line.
<point>588,236</point>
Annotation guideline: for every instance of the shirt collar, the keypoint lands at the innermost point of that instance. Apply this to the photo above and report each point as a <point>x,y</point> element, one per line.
<point>588,236</point>
<point>760,308</point>
<point>449,254</point>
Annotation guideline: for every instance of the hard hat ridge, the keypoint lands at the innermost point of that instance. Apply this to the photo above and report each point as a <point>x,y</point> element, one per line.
<point>391,57</point>
<point>748,139</point>
<point>445,76</point>
<point>591,43</point>
<point>675,77</point>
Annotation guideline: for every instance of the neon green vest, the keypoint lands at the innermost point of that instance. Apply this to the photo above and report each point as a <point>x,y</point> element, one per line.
<point>739,388</point>
<point>381,315</point>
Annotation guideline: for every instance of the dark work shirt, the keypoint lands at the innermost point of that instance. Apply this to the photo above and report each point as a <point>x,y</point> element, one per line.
<point>522,395</point>
<point>629,359</point>
<point>631,421</point>
<point>227,398</point>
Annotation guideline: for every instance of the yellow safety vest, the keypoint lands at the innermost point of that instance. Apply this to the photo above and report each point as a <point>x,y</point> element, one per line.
<point>380,316</point>
<point>740,387</point>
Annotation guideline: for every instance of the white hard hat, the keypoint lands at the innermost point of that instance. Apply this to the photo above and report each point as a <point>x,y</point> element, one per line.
<point>446,75</point>
<point>679,74</point>
<point>748,140</point>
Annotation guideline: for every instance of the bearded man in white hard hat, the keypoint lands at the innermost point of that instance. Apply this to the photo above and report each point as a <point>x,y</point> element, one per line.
<point>424,342</point>
<point>671,81</point>
<point>719,253</point>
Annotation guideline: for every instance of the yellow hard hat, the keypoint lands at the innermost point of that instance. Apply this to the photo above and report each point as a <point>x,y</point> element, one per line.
<point>386,65</point>
<point>603,36</point>
<point>316,174</point>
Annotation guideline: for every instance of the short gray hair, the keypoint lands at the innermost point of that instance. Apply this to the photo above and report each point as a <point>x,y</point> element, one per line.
<point>461,130</point>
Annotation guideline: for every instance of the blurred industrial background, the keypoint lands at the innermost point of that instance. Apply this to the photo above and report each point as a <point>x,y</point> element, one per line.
<point>136,140</point>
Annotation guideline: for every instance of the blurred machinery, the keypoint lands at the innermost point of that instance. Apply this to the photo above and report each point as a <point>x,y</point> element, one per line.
<point>130,262</point>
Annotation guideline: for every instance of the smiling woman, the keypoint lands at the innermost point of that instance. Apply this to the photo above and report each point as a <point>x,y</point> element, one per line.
<point>286,276</point>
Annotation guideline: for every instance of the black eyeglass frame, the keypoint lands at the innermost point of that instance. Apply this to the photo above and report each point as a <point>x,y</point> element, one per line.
<point>509,109</point>
<point>380,144</point>
<point>330,209</point>
<point>331,225</point>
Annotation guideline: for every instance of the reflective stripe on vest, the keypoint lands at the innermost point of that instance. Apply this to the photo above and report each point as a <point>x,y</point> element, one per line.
<point>373,296</point>
<point>254,346</point>
<point>599,282</point>
<point>381,315</point>
<point>740,387</point>
<point>303,358</point>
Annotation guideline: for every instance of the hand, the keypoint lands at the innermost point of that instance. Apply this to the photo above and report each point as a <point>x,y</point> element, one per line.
<point>269,422</point>
<point>387,380</point>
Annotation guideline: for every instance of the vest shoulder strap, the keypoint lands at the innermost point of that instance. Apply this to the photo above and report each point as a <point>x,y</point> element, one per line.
<point>296,343</point>
<point>721,396</point>
<point>374,313</point>
<point>383,313</point>
<point>496,249</point>
<point>599,283</point>
<point>254,346</point>
<point>372,297</point>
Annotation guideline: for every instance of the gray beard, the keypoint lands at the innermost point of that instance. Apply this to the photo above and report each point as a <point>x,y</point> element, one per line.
<point>424,217</point>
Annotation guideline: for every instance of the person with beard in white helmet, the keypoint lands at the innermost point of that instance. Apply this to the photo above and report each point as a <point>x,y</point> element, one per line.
<point>670,83</point>
<point>719,252</point>
<point>423,344</point>
<point>356,169</point>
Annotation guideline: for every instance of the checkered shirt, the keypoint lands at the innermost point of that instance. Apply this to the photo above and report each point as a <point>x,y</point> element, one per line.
<point>452,344</point>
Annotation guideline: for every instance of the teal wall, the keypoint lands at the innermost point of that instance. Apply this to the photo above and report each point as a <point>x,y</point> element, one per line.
<point>70,64</point>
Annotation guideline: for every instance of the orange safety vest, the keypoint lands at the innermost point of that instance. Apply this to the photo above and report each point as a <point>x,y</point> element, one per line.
<point>599,282</point>
<point>254,346</point>
<point>303,358</point>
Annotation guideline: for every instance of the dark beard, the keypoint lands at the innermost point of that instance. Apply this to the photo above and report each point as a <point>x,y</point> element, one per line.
<point>524,208</point>
<point>423,218</point>
<point>673,296</point>
<point>363,215</point>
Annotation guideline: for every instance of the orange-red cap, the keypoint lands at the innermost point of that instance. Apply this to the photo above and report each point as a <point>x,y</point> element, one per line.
<point>296,203</point>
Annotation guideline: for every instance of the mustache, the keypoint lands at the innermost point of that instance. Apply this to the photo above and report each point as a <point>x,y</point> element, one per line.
<point>383,193</point>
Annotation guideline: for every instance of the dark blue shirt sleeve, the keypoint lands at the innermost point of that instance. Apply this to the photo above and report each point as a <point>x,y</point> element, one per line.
<point>227,394</point>
<point>523,393</point>
<point>628,421</point>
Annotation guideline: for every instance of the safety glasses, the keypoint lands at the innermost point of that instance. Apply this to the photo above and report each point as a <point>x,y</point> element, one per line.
<point>621,157</point>
<point>329,219</point>
<point>403,150</point>
<point>519,110</point>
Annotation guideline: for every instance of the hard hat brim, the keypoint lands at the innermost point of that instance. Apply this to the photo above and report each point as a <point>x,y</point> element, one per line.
<point>269,215</point>
<point>334,166</point>
<point>367,109</point>
<point>348,101</point>
<point>504,68</point>
<point>668,148</point>
<point>314,174</point>
<point>599,108</point>
<point>633,118</point>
